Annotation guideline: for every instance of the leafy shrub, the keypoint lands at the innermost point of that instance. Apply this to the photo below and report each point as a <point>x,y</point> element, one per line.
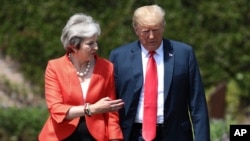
<point>218,31</point>
<point>218,129</point>
<point>22,124</point>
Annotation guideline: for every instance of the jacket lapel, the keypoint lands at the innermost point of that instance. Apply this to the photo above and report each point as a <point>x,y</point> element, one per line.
<point>93,92</point>
<point>168,66</point>
<point>73,82</point>
<point>136,67</point>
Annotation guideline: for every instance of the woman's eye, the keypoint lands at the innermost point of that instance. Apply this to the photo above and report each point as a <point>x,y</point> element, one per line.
<point>91,43</point>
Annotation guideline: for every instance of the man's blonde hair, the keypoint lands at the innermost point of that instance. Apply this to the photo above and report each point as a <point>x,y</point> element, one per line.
<point>149,15</point>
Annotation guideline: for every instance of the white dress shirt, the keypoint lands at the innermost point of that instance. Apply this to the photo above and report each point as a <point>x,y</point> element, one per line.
<point>158,56</point>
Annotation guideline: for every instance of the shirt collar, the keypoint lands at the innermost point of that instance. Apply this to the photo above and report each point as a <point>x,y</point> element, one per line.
<point>159,51</point>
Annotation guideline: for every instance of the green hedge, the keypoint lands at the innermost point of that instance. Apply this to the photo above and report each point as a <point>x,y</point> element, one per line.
<point>30,32</point>
<point>219,31</point>
<point>24,124</point>
<point>21,124</point>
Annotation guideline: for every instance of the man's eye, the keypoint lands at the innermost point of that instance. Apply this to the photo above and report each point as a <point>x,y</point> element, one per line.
<point>145,31</point>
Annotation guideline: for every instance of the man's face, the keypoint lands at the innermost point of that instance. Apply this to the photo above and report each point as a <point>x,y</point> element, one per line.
<point>150,36</point>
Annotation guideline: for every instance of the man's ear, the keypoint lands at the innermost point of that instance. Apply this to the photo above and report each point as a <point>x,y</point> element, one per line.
<point>136,31</point>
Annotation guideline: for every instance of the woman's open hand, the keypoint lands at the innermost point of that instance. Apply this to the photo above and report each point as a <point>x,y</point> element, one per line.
<point>106,104</point>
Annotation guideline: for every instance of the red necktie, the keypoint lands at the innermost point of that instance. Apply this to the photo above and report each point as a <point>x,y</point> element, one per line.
<point>150,100</point>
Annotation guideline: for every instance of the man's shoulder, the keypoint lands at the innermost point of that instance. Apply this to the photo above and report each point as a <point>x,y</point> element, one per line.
<point>178,44</point>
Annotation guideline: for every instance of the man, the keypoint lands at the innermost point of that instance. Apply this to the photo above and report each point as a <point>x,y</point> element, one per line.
<point>181,109</point>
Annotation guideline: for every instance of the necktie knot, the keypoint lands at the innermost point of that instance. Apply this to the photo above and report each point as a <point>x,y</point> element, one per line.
<point>151,53</point>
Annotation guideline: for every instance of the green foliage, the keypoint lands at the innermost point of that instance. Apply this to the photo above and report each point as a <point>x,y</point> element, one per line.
<point>233,99</point>
<point>219,31</point>
<point>219,129</point>
<point>21,123</point>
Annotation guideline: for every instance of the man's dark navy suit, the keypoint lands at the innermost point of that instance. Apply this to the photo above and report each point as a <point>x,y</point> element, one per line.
<point>185,109</point>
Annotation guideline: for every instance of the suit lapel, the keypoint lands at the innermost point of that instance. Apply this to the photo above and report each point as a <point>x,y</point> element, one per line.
<point>93,92</point>
<point>73,82</point>
<point>136,67</point>
<point>168,66</point>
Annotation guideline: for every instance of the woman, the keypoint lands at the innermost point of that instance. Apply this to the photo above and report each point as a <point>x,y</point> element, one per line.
<point>79,88</point>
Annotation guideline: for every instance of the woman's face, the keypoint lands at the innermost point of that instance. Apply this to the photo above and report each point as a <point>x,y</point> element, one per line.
<point>88,48</point>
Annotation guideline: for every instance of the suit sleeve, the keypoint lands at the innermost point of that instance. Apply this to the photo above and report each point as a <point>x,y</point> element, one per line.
<point>197,102</point>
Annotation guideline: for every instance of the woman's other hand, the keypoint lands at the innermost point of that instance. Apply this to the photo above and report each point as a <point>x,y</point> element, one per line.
<point>106,104</point>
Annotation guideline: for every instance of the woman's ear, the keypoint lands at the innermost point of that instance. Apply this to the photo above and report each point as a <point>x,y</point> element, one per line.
<point>72,49</point>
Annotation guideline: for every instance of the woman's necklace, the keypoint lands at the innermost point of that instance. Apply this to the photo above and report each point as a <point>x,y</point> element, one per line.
<point>81,74</point>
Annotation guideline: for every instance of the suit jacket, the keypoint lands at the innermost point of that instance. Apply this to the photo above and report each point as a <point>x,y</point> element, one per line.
<point>185,106</point>
<point>63,90</point>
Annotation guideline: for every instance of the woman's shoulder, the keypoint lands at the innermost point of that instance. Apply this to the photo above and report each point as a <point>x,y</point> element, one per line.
<point>58,62</point>
<point>103,61</point>
<point>59,59</point>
